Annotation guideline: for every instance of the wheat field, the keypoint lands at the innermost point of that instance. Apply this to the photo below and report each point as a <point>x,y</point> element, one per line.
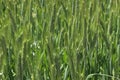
<point>59,39</point>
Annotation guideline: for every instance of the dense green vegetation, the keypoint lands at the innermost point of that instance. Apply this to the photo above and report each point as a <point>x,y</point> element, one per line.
<point>59,39</point>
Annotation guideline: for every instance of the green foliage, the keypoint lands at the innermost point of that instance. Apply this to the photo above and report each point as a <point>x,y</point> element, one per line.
<point>59,40</point>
